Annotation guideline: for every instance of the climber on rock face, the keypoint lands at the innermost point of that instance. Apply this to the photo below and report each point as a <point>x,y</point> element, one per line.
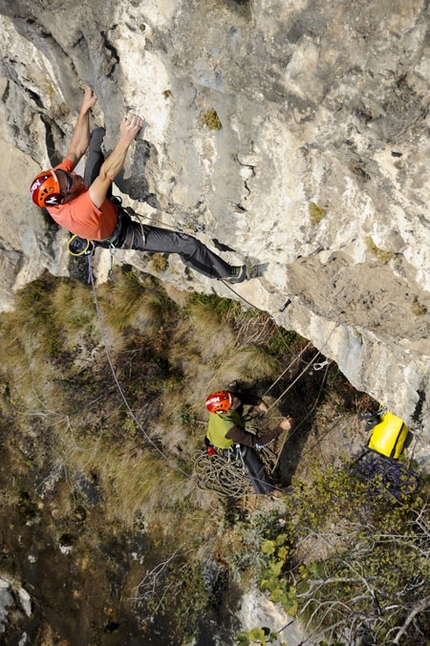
<point>226,428</point>
<point>85,206</point>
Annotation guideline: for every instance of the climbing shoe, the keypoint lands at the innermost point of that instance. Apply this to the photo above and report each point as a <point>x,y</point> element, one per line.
<point>237,275</point>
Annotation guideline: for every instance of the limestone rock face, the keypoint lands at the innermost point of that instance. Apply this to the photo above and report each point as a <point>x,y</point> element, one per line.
<point>319,172</point>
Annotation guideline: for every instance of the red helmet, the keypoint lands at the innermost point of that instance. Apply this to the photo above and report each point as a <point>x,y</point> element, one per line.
<point>219,402</point>
<point>45,189</point>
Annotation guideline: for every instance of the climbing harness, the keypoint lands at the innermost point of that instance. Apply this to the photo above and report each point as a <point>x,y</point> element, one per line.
<point>77,246</point>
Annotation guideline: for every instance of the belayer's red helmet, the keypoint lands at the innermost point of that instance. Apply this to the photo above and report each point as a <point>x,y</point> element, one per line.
<point>219,402</point>
<point>45,189</point>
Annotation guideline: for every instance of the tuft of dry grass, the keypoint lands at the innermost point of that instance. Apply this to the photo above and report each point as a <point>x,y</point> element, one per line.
<point>73,305</point>
<point>250,363</point>
<point>213,334</point>
<point>135,301</point>
<point>131,479</point>
<point>316,213</point>
<point>211,120</point>
<point>120,300</point>
<point>381,254</point>
<point>154,311</point>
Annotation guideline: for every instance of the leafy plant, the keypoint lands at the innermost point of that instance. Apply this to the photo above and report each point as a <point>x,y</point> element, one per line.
<point>280,550</point>
<point>366,568</point>
<point>261,636</point>
<point>247,559</point>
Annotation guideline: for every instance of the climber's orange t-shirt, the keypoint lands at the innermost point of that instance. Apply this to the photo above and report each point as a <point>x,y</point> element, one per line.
<point>81,216</point>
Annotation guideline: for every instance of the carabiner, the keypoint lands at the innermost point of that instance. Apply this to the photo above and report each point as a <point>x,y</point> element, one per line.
<point>112,251</point>
<point>320,366</point>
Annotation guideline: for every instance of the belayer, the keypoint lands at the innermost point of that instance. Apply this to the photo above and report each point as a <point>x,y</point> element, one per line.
<point>85,206</point>
<point>226,428</point>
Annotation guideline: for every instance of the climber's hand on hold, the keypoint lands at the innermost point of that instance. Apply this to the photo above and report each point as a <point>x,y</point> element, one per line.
<point>88,101</point>
<point>130,127</point>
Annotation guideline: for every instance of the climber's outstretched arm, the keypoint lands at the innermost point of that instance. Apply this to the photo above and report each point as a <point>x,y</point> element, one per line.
<point>129,128</point>
<point>81,134</point>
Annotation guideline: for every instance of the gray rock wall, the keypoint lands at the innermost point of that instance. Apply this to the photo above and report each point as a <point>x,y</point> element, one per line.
<point>320,172</point>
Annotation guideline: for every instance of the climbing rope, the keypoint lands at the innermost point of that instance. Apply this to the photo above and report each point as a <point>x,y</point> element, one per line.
<point>383,473</point>
<point>296,358</point>
<point>225,473</point>
<point>222,474</point>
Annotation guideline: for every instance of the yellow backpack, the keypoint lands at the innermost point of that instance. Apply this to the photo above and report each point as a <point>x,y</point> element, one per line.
<point>389,435</point>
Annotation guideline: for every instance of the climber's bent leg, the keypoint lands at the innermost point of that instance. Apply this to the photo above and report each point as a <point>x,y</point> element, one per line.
<point>192,252</point>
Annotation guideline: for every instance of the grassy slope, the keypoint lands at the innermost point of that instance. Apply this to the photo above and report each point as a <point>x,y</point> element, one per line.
<point>102,488</point>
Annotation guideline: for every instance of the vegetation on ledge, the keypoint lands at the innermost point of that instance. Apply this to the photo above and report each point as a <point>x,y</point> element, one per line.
<point>101,422</point>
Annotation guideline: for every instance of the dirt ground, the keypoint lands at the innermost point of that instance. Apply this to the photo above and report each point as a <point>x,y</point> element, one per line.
<point>80,571</point>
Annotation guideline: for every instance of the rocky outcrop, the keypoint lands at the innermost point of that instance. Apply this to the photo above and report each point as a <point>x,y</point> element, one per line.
<point>319,172</point>
<point>13,599</point>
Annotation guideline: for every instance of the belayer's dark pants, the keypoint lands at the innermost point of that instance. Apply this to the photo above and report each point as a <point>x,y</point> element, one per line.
<point>256,470</point>
<point>141,237</point>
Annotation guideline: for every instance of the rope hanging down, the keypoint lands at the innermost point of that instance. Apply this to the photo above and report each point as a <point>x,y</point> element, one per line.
<point>120,390</point>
